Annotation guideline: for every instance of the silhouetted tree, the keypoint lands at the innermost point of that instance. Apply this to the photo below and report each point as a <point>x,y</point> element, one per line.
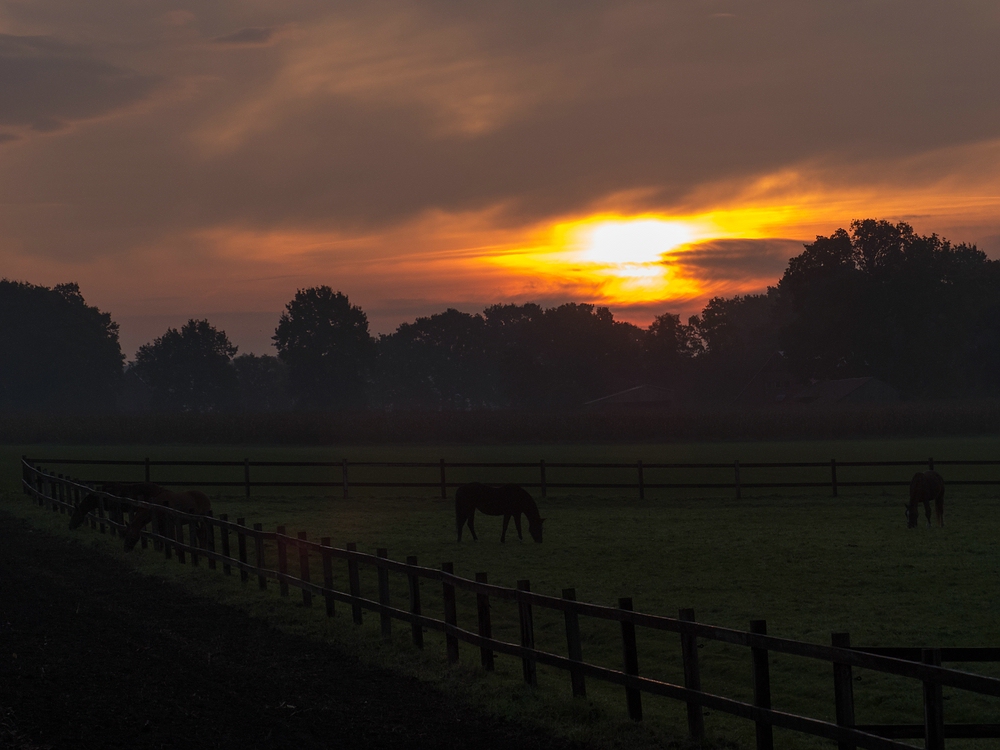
<point>670,348</point>
<point>881,300</point>
<point>56,352</point>
<point>439,362</point>
<point>263,383</point>
<point>189,370</point>
<point>325,342</point>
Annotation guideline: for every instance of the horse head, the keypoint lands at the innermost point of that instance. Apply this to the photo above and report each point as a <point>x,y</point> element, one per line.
<point>535,529</point>
<point>911,515</point>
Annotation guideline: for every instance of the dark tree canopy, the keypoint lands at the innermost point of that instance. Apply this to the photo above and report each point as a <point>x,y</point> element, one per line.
<point>189,370</point>
<point>263,383</point>
<point>56,351</point>
<point>325,342</point>
<point>881,300</point>
<point>440,361</point>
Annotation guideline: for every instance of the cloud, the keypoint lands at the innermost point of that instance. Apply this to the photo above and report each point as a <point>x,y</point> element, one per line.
<point>248,36</point>
<point>47,84</point>
<point>740,261</point>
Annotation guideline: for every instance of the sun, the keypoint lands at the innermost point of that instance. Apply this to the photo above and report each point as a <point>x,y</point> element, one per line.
<point>630,242</point>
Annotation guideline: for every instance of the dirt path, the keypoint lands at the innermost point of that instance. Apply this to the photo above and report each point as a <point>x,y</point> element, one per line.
<point>95,655</point>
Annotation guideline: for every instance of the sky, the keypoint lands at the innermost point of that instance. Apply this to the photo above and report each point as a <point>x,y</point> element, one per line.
<point>208,159</point>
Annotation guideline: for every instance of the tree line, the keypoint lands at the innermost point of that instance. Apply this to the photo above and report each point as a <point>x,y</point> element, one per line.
<point>916,311</point>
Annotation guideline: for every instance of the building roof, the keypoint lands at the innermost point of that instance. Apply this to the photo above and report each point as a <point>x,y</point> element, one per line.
<point>846,389</point>
<point>640,394</point>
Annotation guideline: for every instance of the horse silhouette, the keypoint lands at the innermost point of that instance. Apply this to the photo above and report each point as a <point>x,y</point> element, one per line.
<point>144,491</point>
<point>924,487</point>
<point>509,501</point>
<point>189,501</point>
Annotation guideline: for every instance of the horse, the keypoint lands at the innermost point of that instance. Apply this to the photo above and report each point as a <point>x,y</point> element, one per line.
<point>924,487</point>
<point>188,501</point>
<point>509,501</point>
<point>144,491</point>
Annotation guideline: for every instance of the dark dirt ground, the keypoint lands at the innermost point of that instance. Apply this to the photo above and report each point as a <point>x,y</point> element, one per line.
<point>94,655</point>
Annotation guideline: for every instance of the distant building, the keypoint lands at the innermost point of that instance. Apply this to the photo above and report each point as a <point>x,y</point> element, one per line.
<point>639,397</point>
<point>771,385</point>
<point>774,384</point>
<point>848,391</point>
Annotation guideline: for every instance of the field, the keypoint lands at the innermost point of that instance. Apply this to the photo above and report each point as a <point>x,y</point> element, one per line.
<point>809,564</point>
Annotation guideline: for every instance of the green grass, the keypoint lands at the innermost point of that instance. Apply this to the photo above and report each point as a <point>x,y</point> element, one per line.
<point>807,563</point>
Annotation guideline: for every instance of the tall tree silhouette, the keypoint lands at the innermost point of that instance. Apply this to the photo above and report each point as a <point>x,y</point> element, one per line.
<point>325,342</point>
<point>56,351</point>
<point>189,370</point>
<point>882,300</point>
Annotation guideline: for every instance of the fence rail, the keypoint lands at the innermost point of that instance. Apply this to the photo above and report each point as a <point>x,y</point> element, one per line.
<point>435,473</point>
<point>62,494</point>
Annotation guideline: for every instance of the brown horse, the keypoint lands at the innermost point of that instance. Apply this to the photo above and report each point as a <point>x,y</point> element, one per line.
<point>924,487</point>
<point>189,501</point>
<point>144,491</point>
<point>509,501</point>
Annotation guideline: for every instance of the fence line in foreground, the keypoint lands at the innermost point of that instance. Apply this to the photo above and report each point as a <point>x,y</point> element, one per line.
<point>62,494</point>
<point>437,476</point>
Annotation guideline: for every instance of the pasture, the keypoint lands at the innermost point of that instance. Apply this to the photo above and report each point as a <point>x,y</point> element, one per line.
<point>807,563</point>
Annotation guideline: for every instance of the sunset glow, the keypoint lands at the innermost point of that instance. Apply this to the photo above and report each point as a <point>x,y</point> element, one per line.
<point>642,156</point>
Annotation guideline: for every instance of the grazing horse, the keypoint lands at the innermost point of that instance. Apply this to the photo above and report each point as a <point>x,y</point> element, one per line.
<point>509,501</point>
<point>189,501</point>
<point>924,487</point>
<point>144,491</point>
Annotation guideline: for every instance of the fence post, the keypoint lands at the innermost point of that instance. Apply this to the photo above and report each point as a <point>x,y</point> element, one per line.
<point>246,476</point>
<point>327,575</point>
<point>259,543</point>
<point>241,540</point>
<point>383,595</point>
<point>527,634</point>
<point>630,654</point>
<point>146,466</point>
<point>692,677</point>
<point>450,612</point>
<point>833,475</point>
<point>282,562</point>
<point>933,704</point>
<point>193,536</point>
<point>444,485</point>
<point>307,597</point>
<point>209,539</point>
<point>414,580</point>
<point>354,581</point>
<point>761,686</point>
<point>343,472</point>
<point>573,647</point>
<point>541,466</point>
<point>642,483</point>
<point>179,538</point>
<point>485,626</point>
<point>843,689</point>
<point>224,539</point>
<point>737,467</point>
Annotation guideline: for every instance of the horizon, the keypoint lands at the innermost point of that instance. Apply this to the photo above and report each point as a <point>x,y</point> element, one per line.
<point>208,163</point>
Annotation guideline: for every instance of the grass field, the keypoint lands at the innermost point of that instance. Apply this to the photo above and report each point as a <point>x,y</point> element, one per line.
<point>807,563</point>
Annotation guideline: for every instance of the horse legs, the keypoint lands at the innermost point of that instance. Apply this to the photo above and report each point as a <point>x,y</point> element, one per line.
<point>503,534</point>
<point>517,525</point>
<point>134,531</point>
<point>927,509</point>
<point>939,508</point>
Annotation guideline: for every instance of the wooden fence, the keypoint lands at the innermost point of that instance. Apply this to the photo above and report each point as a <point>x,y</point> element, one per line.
<point>230,552</point>
<point>434,474</point>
